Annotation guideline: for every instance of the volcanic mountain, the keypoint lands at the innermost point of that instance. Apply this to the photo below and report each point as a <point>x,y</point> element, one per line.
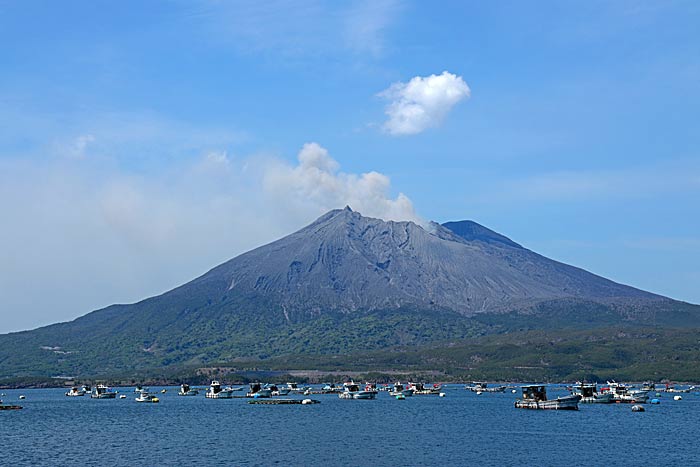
<point>343,283</point>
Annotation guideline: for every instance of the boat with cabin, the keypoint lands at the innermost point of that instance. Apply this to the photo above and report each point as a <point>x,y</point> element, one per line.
<point>353,391</point>
<point>215,391</point>
<point>102,392</point>
<point>419,389</point>
<point>622,393</point>
<point>258,391</point>
<point>75,392</point>
<point>590,395</point>
<point>145,396</point>
<point>480,386</point>
<point>535,397</point>
<point>186,390</point>
<point>400,389</point>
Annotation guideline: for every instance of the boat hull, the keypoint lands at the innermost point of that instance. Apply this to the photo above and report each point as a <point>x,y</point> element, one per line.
<point>220,395</point>
<point>561,403</point>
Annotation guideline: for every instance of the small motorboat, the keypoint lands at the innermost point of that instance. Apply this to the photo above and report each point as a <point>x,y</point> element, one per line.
<point>258,391</point>
<point>102,392</point>
<point>535,397</point>
<point>353,391</point>
<point>590,395</point>
<point>621,393</point>
<point>75,392</point>
<point>481,387</point>
<point>420,389</point>
<point>215,391</point>
<point>145,396</point>
<point>400,389</point>
<point>186,390</point>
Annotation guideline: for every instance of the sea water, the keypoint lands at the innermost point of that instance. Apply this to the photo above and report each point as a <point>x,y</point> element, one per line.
<point>462,428</point>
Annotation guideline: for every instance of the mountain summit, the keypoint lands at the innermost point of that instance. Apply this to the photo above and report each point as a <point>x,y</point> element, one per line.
<point>341,283</point>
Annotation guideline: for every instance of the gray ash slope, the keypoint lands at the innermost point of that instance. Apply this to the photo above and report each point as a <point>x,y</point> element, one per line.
<point>346,262</point>
<point>344,283</point>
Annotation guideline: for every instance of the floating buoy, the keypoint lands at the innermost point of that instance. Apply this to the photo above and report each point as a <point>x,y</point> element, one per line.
<point>442,394</point>
<point>307,392</point>
<point>22,397</point>
<point>677,398</point>
<point>478,393</point>
<point>122,396</point>
<point>400,397</point>
<point>658,394</point>
<point>307,402</point>
<point>655,401</point>
<point>155,399</point>
<point>163,391</point>
<point>637,408</point>
<point>513,391</point>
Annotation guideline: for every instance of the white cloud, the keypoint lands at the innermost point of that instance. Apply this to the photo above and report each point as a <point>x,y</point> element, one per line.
<point>423,102</point>
<point>316,185</point>
<point>87,233</point>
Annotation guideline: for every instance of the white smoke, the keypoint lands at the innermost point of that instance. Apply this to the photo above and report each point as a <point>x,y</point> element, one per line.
<point>423,102</point>
<point>316,184</point>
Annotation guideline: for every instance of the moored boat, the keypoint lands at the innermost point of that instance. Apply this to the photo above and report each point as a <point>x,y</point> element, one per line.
<point>419,389</point>
<point>215,391</point>
<point>186,390</point>
<point>535,397</point>
<point>145,396</point>
<point>102,392</point>
<point>75,392</point>
<point>480,386</point>
<point>400,389</point>
<point>590,395</point>
<point>622,393</point>
<point>353,391</point>
<point>257,390</point>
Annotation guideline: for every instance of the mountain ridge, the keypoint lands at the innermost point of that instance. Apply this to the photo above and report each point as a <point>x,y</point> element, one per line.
<point>342,283</point>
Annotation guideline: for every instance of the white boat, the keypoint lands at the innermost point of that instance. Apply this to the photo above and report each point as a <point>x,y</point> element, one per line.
<point>75,392</point>
<point>621,393</point>
<point>277,391</point>
<point>186,390</point>
<point>258,391</point>
<point>590,395</point>
<point>145,396</point>
<point>420,389</point>
<point>353,391</point>
<point>480,386</point>
<point>535,397</point>
<point>102,392</point>
<point>215,391</point>
<point>400,389</point>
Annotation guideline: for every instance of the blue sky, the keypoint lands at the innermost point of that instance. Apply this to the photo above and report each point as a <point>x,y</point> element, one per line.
<point>141,143</point>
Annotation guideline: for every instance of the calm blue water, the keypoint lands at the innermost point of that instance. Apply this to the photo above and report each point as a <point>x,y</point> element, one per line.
<point>460,429</point>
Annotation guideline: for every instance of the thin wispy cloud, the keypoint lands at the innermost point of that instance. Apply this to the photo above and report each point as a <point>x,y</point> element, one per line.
<point>298,29</point>
<point>422,103</point>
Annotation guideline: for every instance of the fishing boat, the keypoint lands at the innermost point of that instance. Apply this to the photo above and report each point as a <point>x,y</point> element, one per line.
<point>215,391</point>
<point>671,388</point>
<point>622,393</point>
<point>353,391</point>
<point>276,391</point>
<point>535,397</point>
<point>590,395</point>
<point>400,389</point>
<point>419,389</point>
<point>258,391</point>
<point>102,392</point>
<point>186,390</point>
<point>480,386</point>
<point>145,396</point>
<point>75,392</point>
